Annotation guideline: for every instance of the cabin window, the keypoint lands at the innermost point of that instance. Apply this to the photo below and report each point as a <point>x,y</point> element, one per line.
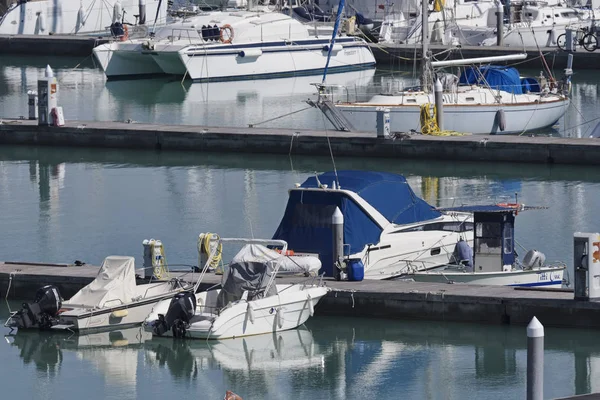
<point>508,239</point>
<point>470,99</point>
<point>488,238</point>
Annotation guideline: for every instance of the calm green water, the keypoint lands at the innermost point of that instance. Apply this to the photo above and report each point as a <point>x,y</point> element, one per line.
<point>85,95</point>
<point>63,204</point>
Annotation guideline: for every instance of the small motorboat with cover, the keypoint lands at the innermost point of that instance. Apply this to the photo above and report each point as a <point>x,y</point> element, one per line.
<point>494,260</point>
<point>248,302</point>
<point>112,300</point>
<point>387,228</point>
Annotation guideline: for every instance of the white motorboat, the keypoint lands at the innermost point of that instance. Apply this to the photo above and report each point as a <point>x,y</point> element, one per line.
<point>529,24</point>
<point>387,229</point>
<point>112,300</point>
<point>248,302</point>
<point>484,100</point>
<point>46,17</point>
<point>494,260</point>
<point>232,46</point>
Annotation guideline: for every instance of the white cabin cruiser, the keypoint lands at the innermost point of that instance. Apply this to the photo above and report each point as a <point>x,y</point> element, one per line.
<point>494,260</point>
<point>112,300</point>
<point>59,17</point>
<point>232,46</point>
<point>387,229</point>
<point>248,302</point>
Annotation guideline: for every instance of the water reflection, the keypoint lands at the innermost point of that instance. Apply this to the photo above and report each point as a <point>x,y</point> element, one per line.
<point>337,358</point>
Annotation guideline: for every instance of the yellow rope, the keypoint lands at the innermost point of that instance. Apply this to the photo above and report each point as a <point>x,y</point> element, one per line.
<point>429,124</point>
<point>205,247</point>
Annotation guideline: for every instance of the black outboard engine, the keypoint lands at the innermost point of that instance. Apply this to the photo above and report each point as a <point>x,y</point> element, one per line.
<point>180,312</point>
<point>43,311</point>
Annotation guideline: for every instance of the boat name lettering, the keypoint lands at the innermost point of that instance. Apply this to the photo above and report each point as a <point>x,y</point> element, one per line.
<point>543,276</point>
<point>349,52</point>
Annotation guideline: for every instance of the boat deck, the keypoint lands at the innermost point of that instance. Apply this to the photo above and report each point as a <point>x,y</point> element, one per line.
<point>369,298</point>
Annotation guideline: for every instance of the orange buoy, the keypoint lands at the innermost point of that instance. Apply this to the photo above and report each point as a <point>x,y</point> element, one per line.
<point>226,35</point>
<point>229,395</point>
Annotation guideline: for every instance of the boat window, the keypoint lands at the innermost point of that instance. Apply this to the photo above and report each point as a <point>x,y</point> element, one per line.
<point>488,239</point>
<point>455,226</point>
<point>470,98</point>
<point>312,215</point>
<point>508,239</point>
<point>411,100</point>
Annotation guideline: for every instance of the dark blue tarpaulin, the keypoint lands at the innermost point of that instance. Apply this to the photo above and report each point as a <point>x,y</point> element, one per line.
<point>306,223</point>
<point>497,77</point>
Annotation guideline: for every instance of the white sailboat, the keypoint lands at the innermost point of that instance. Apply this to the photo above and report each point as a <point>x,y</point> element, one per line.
<point>58,17</point>
<point>484,100</point>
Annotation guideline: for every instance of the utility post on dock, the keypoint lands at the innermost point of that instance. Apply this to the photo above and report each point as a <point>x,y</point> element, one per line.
<point>337,222</point>
<point>535,360</point>
<point>500,25</point>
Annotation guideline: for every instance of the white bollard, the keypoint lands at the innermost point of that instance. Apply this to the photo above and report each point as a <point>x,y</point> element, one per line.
<point>337,222</point>
<point>535,360</point>
<point>47,97</point>
<point>32,102</point>
<point>383,122</point>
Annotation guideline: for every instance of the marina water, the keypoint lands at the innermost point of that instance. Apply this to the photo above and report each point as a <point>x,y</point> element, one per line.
<point>67,204</point>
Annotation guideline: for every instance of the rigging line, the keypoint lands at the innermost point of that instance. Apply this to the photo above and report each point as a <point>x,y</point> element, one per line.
<point>281,116</point>
<point>330,150</point>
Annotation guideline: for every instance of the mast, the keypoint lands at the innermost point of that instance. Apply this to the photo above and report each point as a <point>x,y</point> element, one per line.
<point>425,67</point>
<point>333,35</point>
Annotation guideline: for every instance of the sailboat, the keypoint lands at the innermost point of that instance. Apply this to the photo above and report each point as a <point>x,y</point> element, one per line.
<point>484,100</point>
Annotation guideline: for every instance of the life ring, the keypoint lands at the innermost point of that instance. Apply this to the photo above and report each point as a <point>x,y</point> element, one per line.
<point>509,205</point>
<point>125,35</point>
<point>226,28</point>
<point>287,252</point>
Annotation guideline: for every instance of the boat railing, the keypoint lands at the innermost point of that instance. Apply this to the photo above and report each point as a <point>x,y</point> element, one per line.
<point>183,33</point>
<point>359,93</point>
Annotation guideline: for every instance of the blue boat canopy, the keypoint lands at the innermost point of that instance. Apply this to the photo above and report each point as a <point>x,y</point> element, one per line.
<point>306,223</point>
<point>496,76</point>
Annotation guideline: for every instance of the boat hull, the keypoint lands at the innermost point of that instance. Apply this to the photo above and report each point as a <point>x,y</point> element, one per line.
<point>288,310</point>
<point>475,119</point>
<point>549,277</point>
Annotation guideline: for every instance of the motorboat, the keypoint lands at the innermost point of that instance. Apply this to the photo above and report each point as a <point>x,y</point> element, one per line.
<point>387,229</point>
<point>494,260</point>
<point>488,99</point>
<point>236,45</point>
<point>528,24</point>
<point>46,17</point>
<point>248,302</point>
<point>112,300</point>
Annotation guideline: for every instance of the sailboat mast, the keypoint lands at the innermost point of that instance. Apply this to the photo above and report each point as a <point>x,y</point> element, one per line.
<point>425,67</point>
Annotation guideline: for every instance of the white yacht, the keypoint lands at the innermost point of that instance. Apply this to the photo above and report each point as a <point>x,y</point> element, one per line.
<point>248,302</point>
<point>388,230</point>
<point>528,24</point>
<point>233,45</point>
<point>58,17</point>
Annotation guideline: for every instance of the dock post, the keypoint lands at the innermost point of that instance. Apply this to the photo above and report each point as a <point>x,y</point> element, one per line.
<point>500,25</point>
<point>535,360</point>
<point>337,220</point>
<point>383,122</point>
<point>439,104</point>
<point>147,265</point>
<point>47,97</point>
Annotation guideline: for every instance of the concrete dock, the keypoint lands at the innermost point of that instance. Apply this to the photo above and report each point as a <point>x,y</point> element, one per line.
<point>369,298</point>
<point>489,148</point>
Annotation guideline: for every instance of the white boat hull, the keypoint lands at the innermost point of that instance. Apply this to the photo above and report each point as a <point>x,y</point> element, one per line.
<point>287,310</point>
<point>72,17</point>
<point>548,277</point>
<point>475,119</point>
<point>517,36</point>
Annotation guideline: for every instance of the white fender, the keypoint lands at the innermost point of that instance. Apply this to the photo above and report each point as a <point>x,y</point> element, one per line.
<point>280,318</point>
<point>199,304</point>
<point>117,12</point>
<point>81,16</point>
<point>250,313</point>
<point>311,306</point>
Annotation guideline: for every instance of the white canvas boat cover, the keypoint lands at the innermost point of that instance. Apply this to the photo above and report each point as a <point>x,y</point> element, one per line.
<point>114,285</point>
<point>308,265</point>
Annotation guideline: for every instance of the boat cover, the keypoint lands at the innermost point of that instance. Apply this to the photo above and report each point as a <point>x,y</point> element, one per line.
<point>497,77</point>
<point>240,276</point>
<point>114,285</point>
<point>306,223</point>
<point>297,264</point>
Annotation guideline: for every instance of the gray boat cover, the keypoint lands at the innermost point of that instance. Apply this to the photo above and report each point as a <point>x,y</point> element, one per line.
<point>308,265</point>
<point>241,276</point>
<point>114,285</point>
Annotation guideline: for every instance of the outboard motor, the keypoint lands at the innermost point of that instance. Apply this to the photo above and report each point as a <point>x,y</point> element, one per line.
<point>180,312</point>
<point>43,311</point>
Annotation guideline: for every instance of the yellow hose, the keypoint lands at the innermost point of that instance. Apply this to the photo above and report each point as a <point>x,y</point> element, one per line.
<point>204,247</point>
<point>429,124</point>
